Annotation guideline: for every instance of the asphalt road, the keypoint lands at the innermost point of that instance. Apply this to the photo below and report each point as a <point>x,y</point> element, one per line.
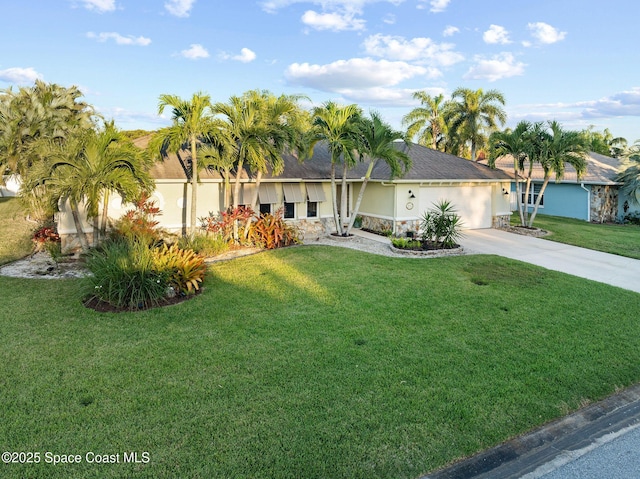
<point>619,458</point>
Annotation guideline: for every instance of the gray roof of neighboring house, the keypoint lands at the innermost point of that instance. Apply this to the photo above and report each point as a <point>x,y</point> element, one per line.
<point>601,170</point>
<point>427,164</point>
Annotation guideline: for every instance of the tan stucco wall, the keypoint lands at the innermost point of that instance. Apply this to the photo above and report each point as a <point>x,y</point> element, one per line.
<point>377,199</point>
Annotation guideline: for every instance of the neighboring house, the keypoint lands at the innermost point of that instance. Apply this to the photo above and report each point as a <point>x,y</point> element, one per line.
<point>303,190</point>
<point>11,185</point>
<point>593,197</point>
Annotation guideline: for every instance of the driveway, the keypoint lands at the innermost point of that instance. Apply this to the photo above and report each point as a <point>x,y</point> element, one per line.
<point>602,267</point>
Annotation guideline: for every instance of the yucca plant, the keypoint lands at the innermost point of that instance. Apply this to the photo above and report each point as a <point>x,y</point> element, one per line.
<point>441,225</point>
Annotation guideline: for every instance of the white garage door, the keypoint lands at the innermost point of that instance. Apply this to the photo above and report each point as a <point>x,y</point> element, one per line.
<point>473,203</point>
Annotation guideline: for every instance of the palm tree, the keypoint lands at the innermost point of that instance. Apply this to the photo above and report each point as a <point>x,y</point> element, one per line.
<point>516,143</point>
<point>630,174</point>
<point>427,121</point>
<point>261,127</point>
<point>473,115</point>
<point>378,143</point>
<point>86,168</point>
<point>604,143</point>
<point>41,113</point>
<point>338,127</point>
<point>558,148</point>
<point>191,122</point>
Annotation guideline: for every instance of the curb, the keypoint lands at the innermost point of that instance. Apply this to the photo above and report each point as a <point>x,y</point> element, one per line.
<point>524,454</point>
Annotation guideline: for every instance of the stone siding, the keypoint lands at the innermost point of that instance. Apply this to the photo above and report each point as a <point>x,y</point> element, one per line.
<point>604,203</point>
<point>501,221</point>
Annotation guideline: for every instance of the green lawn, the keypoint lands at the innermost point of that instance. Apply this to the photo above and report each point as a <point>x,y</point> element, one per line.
<point>623,240</point>
<point>15,233</point>
<point>309,362</point>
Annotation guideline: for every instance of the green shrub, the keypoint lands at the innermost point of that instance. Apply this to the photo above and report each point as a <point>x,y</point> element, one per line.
<point>206,244</point>
<point>441,225</point>
<point>406,243</point>
<point>124,275</point>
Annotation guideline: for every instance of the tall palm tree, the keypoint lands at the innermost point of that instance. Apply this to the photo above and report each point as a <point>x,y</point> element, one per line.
<point>473,115</point>
<point>261,127</point>
<point>86,168</point>
<point>630,174</point>
<point>192,120</point>
<point>427,121</point>
<point>559,148</point>
<point>378,143</point>
<point>516,143</point>
<point>338,126</point>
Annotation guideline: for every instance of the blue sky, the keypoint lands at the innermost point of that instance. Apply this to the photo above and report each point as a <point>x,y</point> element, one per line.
<point>575,61</point>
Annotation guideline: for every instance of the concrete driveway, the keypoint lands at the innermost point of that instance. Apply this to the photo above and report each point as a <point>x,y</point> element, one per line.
<point>603,267</point>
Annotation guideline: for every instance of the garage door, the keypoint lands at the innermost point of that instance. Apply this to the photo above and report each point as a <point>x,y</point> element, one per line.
<point>473,203</point>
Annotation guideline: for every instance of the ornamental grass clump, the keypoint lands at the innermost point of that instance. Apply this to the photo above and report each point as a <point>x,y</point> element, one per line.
<point>124,275</point>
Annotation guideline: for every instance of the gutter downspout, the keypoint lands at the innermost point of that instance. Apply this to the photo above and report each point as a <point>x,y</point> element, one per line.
<point>588,201</point>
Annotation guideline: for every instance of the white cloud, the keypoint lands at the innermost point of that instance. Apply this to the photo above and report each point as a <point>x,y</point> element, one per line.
<point>19,75</point>
<point>195,52</point>
<point>381,96</point>
<point>100,6</point>
<point>626,103</point>
<point>245,56</point>
<point>497,67</point>
<point>389,19</point>
<point>415,49</point>
<point>179,8</point>
<point>437,6</point>
<point>352,74</point>
<point>450,31</point>
<point>332,21</point>
<point>120,39</point>
<point>271,6</point>
<point>496,34</point>
<point>545,33</point>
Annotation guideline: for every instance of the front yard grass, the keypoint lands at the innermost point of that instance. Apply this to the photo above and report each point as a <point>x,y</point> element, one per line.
<point>623,240</point>
<point>15,233</point>
<point>312,362</point>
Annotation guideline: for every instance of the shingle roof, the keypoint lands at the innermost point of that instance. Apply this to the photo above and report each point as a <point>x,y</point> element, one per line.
<point>427,164</point>
<point>601,170</point>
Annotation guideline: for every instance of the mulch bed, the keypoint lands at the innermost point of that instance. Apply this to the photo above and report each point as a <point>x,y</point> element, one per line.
<point>103,307</point>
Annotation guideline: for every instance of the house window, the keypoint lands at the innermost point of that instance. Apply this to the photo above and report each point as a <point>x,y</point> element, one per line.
<point>292,194</point>
<point>315,194</point>
<point>267,196</point>
<point>312,209</point>
<point>265,208</point>
<point>534,192</point>
<point>289,210</point>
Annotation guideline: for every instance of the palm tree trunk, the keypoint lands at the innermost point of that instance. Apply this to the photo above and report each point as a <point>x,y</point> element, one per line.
<point>76,221</point>
<point>343,199</point>
<point>194,187</point>
<point>236,197</point>
<point>105,214</point>
<point>537,205</point>
<point>254,203</point>
<point>354,213</point>
<point>227,189</point>
<point>334,197</point>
